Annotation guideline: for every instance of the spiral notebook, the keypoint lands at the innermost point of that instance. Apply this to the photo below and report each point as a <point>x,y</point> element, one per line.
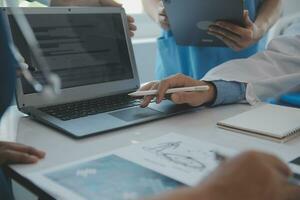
<point>273,122</point>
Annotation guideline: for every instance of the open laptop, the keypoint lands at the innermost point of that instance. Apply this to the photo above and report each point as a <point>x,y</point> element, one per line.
<point>190,19</point>
<point>91,52</point>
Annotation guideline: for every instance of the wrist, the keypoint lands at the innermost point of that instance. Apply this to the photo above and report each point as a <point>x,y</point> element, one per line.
<point>259,31</point>
<point>211,93</point>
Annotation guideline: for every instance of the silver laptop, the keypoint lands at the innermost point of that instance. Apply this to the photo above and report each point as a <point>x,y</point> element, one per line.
<point>190,19</point>
<point>91,52</point>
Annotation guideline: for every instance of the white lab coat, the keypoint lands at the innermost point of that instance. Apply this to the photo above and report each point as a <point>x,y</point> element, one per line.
<point>267,74</point>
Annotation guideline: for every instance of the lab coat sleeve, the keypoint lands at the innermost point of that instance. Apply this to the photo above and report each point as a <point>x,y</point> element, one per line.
<point>267,74</point>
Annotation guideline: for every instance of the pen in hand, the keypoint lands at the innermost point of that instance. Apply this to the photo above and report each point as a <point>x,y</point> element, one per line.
<point>170,91</point>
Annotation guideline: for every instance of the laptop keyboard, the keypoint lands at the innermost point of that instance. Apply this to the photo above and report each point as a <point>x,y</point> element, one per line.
<point>84,108</point>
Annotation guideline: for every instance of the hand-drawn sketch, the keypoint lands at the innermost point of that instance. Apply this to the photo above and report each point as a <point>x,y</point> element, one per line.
<point>177,153</point>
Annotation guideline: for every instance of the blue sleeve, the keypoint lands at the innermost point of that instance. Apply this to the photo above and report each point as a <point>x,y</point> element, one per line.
<point>229,92</point>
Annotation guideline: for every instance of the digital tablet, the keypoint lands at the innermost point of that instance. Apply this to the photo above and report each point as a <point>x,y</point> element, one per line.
<point>189,19</point>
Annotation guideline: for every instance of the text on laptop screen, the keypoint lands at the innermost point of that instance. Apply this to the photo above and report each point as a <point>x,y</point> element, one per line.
<point>82,49</point>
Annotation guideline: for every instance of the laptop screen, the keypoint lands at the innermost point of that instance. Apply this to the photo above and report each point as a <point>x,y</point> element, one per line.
<point>82,49</point>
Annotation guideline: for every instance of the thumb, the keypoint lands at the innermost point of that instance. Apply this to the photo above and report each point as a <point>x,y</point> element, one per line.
<point>248,22</point>
<point>110,3</point>
<point>191,98</point>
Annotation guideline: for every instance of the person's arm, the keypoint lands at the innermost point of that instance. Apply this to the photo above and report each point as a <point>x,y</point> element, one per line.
<point>151,8</point>
<point>268,14</point>
<point>238,178</point>
<point>13,153</point>
<point>220,92</point>
<point>228,92</point>
<point>239,38</point>
<point>267,74</point>
<point>155,9</point>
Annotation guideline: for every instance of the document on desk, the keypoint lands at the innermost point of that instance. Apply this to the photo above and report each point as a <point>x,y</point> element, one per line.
<point>133,172</point>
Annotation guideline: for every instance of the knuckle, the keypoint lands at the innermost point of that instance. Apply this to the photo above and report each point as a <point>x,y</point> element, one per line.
<point>179,75</point>
<point>164,83</point>
<point>176,98</point>
<point>30,150</point>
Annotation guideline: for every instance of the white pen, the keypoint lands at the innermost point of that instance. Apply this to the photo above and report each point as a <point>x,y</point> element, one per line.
<point>170,91</point>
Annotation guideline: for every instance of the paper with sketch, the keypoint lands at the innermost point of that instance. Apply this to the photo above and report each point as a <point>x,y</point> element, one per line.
<point>137,171</point>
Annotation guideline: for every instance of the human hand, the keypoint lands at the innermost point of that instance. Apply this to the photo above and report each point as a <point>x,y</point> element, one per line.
<point>110,3</point>
<point>250,176</point>
<point>234,36</point>
<point>179,80</point>
<point>132,27</point>
<point>13,153</point>
<point>162,18</point>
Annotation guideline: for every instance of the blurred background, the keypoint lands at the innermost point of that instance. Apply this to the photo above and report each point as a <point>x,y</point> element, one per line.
<point>144,44</point>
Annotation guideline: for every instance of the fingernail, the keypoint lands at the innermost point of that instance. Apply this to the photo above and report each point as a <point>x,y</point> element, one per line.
<point>42,154</point>
<point>33,159</point>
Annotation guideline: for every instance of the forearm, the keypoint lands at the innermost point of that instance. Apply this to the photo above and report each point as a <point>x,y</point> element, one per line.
<point>269,13</point>
<point>151,8</point>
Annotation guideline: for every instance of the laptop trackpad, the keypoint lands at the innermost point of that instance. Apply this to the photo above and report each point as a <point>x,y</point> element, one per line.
<point>134,114</point>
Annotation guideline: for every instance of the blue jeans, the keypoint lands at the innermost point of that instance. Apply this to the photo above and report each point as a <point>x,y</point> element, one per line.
<point>5,187</point>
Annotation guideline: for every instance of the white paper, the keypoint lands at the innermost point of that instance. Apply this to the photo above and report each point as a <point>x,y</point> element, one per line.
<point>140,170</point>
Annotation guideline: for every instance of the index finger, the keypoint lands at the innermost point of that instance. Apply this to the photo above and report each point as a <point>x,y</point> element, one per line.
<point>130,19</point>
<point>147,86</point>
<point>172,82</point>
<point>230,27</point>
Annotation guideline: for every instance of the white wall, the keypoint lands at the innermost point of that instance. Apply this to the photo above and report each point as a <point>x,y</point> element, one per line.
<point>145,55</point>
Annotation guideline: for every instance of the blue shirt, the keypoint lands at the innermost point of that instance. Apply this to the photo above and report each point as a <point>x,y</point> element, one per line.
<point>228,92</point>
<point>197,61</point>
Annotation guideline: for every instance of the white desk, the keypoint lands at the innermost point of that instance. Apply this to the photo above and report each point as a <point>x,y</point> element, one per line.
<point>200,125</point>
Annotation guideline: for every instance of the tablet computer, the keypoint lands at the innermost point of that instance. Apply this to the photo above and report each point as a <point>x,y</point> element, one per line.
<point>189,19</point>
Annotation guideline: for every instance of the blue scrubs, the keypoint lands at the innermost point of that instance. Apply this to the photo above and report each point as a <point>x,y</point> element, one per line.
<point>7,85</point>
<point>197,61</point>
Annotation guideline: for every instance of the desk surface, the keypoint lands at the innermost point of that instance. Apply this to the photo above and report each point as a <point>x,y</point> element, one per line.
<point>201,125</point>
